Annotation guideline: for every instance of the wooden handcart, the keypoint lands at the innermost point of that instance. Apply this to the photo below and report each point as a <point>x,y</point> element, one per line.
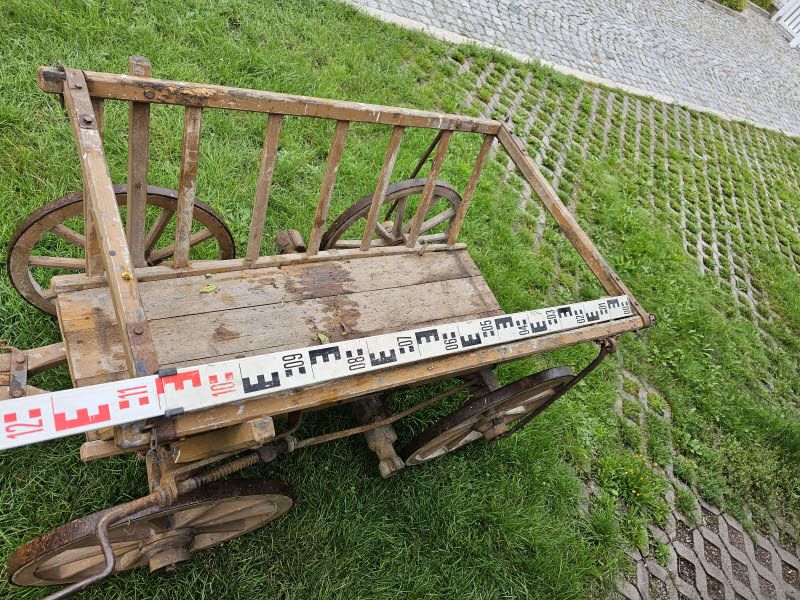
<point>388,264</point>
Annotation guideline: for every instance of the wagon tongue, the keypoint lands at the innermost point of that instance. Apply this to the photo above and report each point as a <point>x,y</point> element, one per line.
<point>51,415</point>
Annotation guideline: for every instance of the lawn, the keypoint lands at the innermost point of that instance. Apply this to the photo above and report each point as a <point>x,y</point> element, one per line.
<point>699,216</point>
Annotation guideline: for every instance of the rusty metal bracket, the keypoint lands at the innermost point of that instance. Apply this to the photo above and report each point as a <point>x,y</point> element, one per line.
<point>17,370</point>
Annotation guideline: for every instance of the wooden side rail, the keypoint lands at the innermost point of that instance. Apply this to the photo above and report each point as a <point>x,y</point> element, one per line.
<point>140,90</point>
<point>143,89</point>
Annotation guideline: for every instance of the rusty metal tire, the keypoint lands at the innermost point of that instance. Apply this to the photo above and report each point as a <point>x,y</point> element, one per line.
<point>394,192</point>
<point>160,537</point>
<point>53,213</point>
<point>487,416</point>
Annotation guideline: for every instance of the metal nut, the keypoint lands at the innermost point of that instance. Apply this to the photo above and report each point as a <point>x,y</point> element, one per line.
<point>16,394</point>
<point>149,94</point>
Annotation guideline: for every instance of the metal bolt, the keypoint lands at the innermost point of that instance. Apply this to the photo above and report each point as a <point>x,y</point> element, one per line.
<point>16,393</point>
<point>126,275</point>
<point>138,330</point>
<point>87,119</point>
<point>20,358</point>
<point>149,94</point>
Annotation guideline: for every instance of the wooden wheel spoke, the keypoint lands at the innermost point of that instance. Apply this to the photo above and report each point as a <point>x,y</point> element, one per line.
<point>69,235</point>
<point>187,517</point>
<point>57,262</point>
<point>385,235</point>
<point>157,230</point>
<point>167,251</point>
<point>397,230</point>
<point>438,220</point>
<point>78,560</point>
<point>229,511</point>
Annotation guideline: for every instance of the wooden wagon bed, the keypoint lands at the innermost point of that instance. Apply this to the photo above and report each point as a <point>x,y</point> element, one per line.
<point>206,318</point>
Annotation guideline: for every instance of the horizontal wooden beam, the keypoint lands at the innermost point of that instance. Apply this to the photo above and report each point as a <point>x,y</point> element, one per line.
<point>68,283</point>
<point>144,89</point>
<point>320,396</point>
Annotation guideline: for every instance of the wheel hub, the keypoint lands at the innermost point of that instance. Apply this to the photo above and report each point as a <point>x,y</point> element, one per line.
<point>167,549</point>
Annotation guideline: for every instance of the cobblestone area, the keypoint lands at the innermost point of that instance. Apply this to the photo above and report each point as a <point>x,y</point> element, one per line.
<point>739,66</point>
<point>729,190</point>
<point>708,554</point>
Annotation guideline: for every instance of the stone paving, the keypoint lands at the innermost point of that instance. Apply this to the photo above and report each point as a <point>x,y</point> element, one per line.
<point>728,190</point>
<point>738,66</point>
<point>709,554</point>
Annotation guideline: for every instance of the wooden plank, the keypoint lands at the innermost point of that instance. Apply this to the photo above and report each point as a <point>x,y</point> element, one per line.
<point>328,180</point>
<point>228,439</point>
<point>187,187</point>
<point>611,283</point>
<point>94,262</point>
<point>129,315</point>
<point>414,374</point>
<point>469,192</point>
<point>66,283</point>
<point>427,192</point>
<point>141,89</point>
<point>56,262</point>
<point>269,153</point>
<point>39,359</point>
<point>138,141</point>
<point>259,287</point>
<point>380,189</point>
<point>205,336</point>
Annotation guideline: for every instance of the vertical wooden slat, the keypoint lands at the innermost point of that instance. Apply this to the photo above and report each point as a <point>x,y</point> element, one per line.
<point>268,154</point>
<point>427,191</point>
<point>120,278</point>
<point>458,220</point>
<point>138,141</point>
<point>380,189</point>
<point>94,262</point>
<point>321,215</point>
<point>187,187</point>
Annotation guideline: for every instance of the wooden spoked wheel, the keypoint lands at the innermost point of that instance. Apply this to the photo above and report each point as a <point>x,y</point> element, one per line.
<point>487,416</point>
<point>160,537</point>
<point>397,211</point>
<point>57,223</point>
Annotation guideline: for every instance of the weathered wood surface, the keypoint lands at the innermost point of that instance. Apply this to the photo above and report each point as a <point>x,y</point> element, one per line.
<point>142,89</point>
<point>129,317</point>
<point>414,374</point>
<point>138,142</point>
<point>328,181</point>
<point>566,221</point>
<point>68,283</point>
<point>427,192</point>
<point>469,192</point>
<point>264,310</point>
<point>380,189</point>
<point>91,248</point>
<point>269,153</point>
<point>187,188</point>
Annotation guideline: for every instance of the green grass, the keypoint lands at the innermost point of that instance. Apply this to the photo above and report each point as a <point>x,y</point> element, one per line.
<point>500,520</point>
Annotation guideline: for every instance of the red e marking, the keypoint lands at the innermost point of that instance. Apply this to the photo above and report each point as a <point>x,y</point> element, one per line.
<point>178,380</point>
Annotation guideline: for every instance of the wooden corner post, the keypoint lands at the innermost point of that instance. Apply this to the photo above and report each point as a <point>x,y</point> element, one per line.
<point>121,281</point>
